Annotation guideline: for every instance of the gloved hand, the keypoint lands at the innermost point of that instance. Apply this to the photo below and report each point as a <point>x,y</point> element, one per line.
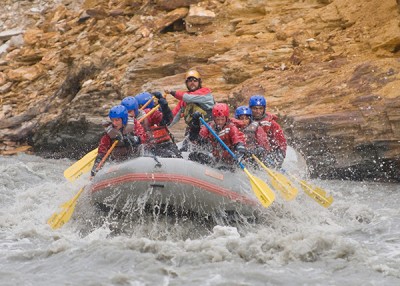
<point>162,102</point>
<point>96,163</point>
<point>241,151</point>
<point>119,137</point>
<point>131,140</point>
<point>275,158</point>
<point>194,132</point>
<point>128,139</point>
<point>259,151</point>
<point>196,118</point>
<point>171,92</point>
<point>112,132</point>
<point>157,94</point>
<point>280,157</point>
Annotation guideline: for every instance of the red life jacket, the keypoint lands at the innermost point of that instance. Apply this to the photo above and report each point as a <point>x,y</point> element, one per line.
<point>250,134</point>
<point>274,132</point>
<point>254,134</point>
<point>266,121</point>
<point>159,134</point>
<point>229,134</point>
<point>121,152</point>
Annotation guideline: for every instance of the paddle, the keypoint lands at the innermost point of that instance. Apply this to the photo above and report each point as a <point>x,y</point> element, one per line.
<point>149,101</point>
<point>263,192</point>
<point>57,220</point>
<point>316,193</point>
<point>279,182</point>
<point>146,104</point>
<point>80,167</point>
<point>85,164</point>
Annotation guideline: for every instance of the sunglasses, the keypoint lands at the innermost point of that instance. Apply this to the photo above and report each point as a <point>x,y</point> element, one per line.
<point>193,79</point>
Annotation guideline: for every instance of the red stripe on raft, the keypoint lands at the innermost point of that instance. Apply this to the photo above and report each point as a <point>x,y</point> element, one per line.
<point>154,177</point>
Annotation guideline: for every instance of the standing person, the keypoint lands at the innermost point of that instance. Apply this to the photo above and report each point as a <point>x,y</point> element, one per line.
<point>195,98</point>
<point>160,140</point>
<point>275,134</point>
<point>129,137</point>
<point>225,129</point>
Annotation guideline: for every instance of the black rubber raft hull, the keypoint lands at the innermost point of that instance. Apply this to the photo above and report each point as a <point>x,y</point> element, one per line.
<point>175,183</point>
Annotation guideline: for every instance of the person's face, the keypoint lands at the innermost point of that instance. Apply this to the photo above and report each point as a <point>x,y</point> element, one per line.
<point>117,122</point>
<point>220,121</point>
<point>192,83</point>
<point>245,118</point>
<point>258,111</point>
<point>132,113</point>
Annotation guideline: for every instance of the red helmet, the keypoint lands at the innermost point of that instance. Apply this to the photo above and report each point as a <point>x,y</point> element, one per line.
<point>220,109</point>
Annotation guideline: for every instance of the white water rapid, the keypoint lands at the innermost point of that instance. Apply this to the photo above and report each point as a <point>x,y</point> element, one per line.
<point>356,241</point>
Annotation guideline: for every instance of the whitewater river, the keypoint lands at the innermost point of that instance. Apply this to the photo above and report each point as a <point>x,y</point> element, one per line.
<point>356,241</point>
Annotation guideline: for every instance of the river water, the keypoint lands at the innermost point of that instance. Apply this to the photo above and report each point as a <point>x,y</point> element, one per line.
<point>356,241</point>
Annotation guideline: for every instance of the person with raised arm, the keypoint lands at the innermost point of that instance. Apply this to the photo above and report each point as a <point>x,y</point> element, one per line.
<point>195,99</point>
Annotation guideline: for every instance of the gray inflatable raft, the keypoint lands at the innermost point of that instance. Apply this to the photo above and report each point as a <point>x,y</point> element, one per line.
<point>172,184</point>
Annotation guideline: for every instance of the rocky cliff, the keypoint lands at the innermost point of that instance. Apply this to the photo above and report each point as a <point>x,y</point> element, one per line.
<point>328,68</point>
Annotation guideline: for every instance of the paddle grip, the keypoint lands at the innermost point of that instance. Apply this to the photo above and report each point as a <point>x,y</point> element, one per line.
<point>106,155</point>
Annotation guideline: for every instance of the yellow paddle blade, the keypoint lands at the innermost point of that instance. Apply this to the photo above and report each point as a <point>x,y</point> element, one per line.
<point>80,167</point>
<point>283,185</point>
<point>57,220</point>
<point>279,182</point>
<point>263,192</point>
<point>317,194</point>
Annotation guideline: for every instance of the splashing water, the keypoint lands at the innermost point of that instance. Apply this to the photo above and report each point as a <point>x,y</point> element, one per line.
<point>355,241</point>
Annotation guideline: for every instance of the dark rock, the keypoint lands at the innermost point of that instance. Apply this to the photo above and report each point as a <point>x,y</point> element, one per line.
<point>65,138</point>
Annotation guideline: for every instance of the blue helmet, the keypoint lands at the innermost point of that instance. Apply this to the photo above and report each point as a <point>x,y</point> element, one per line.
<point>143,98</point>
<point>119,111</point>
<point>131,104</point>
<point>257,100</point>
<point>243,110</point>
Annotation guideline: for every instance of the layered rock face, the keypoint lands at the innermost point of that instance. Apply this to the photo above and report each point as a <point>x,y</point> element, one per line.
<point>328,68</point>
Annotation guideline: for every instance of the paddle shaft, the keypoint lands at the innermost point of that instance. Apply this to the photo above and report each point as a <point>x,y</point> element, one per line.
<point>105,156</point>
<point>222,143</point>
<point>149,113</point>
<point>146,104</point>
<point>86,162</point>
<point>263,192</point>
<point>58,220</point>
<point>116,141</point>
<point>279,181</point>
<point>317,194</point>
